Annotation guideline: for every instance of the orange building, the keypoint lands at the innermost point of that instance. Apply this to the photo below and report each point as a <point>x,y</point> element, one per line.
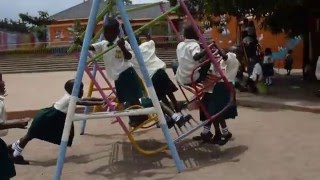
<point>273,41</point>
<point>60,34</point>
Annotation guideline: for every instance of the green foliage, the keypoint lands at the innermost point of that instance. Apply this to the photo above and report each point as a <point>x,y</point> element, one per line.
<point>276,15</point>
<point>13,26</point>
<point>37,24</point>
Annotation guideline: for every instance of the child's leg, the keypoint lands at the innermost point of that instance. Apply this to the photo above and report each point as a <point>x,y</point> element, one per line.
<point>166,102</point>
<point>19,145</point>
<point>225,131</point>
<point>177,118</point>
<point>174,102</point>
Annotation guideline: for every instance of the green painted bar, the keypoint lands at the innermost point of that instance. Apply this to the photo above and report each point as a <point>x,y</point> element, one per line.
<point>138,31</point>
<point>106,10</point>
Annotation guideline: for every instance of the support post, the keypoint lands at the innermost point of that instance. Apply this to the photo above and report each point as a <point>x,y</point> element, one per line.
<point>149,84</point>
<point>76,88</point>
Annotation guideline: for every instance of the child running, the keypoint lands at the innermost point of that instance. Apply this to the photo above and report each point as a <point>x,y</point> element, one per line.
<point>7,169</point>
<point>119,68</point>
<point>162,84</point>
<point>49,122</point>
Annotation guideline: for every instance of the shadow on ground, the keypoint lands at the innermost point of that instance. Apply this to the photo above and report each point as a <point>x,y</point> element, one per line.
<point>130,164</point>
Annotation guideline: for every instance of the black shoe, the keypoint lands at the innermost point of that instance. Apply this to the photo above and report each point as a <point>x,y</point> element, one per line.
<point>19,160</point>
<point>220,140</point>
<point>228,136</point>
<point>181,120</point>
<point>206,138</point>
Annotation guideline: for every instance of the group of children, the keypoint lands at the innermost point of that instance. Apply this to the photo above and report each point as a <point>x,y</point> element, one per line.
<point>120,64</point>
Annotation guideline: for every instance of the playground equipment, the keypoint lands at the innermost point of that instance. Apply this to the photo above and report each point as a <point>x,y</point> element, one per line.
<point>110,99</point>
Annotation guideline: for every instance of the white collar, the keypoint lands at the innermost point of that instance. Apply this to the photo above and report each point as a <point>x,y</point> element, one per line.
<point>2,97</point>
<point>190,40</point>
<point>114,42</point>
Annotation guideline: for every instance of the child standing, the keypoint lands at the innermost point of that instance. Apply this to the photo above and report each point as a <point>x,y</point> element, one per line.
<point>267,66</point>
<point>216,100</point>
<point>7,169</point>
<point>120,69</point>
<point>49,122</point>
<point>288,62</point>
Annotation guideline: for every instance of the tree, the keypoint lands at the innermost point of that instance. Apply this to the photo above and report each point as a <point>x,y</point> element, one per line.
<point>13,26</point>
<point>38,24</point>
<point>289,16</point>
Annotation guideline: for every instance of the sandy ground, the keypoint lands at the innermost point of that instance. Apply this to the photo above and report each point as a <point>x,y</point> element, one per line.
<point>269,145</point>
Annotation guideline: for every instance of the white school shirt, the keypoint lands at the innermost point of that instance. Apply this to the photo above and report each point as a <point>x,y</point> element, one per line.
<point>63,103</point>
<point>318,69</point>
<point>267,60</point>
<point>257,70</point>
<point>114,60</point>
<point>229,67</point>
<point>3,116</point>
<point>185,52</point>
<point>151,60</point>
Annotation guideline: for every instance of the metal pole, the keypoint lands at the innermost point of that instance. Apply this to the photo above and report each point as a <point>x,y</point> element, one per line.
<point>149,84</point>
<point>76,88</point>
<point>86,109</point>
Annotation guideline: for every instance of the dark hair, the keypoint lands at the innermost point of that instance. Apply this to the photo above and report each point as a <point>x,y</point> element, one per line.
<point>251,24</point>
<point>267,52</point>
<point>290,51</point>
<point>190,33</point>
<point>68,86</point>
<point>111,24</point>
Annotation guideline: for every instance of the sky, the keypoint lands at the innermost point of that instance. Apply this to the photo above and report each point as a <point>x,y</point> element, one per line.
<point>11,8</point>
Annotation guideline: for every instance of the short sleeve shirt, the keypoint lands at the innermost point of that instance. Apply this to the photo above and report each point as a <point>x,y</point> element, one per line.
<point>185,53</point>
<point>114,60</point>
<point>151,60</point>
<point>63,103</point>
<point>257,70</point>
<point>3,116</point>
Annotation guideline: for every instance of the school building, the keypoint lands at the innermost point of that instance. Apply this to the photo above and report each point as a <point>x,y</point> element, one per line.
<point>60,35</point>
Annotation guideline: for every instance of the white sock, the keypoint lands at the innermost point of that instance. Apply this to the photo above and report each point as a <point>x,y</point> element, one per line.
<point>225,131</point>
<point>176,116</point>
<point>17,149</point>
<point>206,130</point>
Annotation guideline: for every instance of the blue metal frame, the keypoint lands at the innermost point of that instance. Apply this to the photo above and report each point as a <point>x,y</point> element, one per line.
<point>147,79</point>
<point>76,88</point>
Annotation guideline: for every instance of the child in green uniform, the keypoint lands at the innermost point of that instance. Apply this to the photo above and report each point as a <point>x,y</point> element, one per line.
<point>49,122</point>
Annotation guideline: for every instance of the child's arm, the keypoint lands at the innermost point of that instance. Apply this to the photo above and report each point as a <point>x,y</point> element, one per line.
<point>18,123</point>
<point>199,55</point>
<point>89,103</point>
<point>80,42</point>
<point>127,55</point>
<point>92,99</point>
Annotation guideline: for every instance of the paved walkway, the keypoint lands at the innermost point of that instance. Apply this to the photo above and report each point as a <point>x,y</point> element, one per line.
<point>33,91</point>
